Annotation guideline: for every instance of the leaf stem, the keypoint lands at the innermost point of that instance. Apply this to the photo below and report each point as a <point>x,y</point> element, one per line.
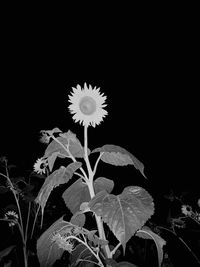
<point>115,249</point>
<point>96,163</point>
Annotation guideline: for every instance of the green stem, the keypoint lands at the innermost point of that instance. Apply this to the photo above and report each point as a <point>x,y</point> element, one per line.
<point>90,172</point>
<point>92,193</point>
<point>20,224</point>
<point>96,164</point>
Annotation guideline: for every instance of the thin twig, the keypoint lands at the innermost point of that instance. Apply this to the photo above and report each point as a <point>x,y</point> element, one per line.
<point>174,233</point>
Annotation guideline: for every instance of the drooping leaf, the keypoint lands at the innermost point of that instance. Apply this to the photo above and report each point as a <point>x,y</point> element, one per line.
<point>125,213</point>
<point>68,140</point>
<point>51,160</point>
<point>146,233</point>
<point>78,192</point>
<point>47,250</point>
<point>51,132</point>
<point>60,176</point>
<point>119,156</point>
<point>5,252</point>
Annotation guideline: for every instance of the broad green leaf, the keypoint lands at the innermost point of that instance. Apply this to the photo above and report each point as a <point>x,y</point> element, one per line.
<point>47,250</point>
<point>78,192</point>
<point>119,156</point>
<point>51,242</point>
<point>84,207</point>
<point>125,213</point>
<point>68,140</point>
<point>75,194</point>
<point>146,233</point>
<point>78,219</point>
<point>5,252</point>
<point>60,176</point>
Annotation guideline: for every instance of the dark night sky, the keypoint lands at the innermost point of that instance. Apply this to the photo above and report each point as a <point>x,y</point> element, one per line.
<point>149,80</point>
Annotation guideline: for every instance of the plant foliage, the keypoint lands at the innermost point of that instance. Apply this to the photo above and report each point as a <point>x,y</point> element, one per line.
<point>124,213</point>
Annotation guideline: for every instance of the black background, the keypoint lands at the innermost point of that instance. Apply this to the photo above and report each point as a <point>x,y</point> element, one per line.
<point>145,62</point>
<point>147,69</point>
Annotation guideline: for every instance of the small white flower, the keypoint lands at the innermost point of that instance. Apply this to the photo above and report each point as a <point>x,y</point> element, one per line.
<point>186,210</point>
<point>11,215</point>
<point>40,165</point>
<point>87,105</point>
<point>62,242</point>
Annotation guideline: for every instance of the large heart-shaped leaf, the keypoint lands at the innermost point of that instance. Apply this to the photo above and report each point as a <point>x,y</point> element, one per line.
<point>125,213</point>
<point>119,156</point>
<point>60,176</point>
<point>47,250</point>
<point>146,233</point>
<point>78,192</point>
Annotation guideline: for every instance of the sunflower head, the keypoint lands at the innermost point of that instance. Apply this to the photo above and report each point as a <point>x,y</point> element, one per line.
<point>11,215</point>
<point>87,105</point>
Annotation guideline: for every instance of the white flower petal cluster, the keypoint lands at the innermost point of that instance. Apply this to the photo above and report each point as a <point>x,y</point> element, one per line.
<point>40,165</point>
<point>186,210</point>
<point>87,105</point>
<point>11,215</point>
<point>62,242</point>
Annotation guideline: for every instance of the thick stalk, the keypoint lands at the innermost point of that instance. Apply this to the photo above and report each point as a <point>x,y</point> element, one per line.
<point>92,193</point>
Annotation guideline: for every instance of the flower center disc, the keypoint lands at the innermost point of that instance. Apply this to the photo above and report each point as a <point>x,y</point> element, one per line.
<point>87,105</point>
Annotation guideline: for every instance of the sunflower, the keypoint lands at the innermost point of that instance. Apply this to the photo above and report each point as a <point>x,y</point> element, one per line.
<point>187,210</point>
<point>87,105</point>
<point>11,215</point>
<point>40,165</point>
